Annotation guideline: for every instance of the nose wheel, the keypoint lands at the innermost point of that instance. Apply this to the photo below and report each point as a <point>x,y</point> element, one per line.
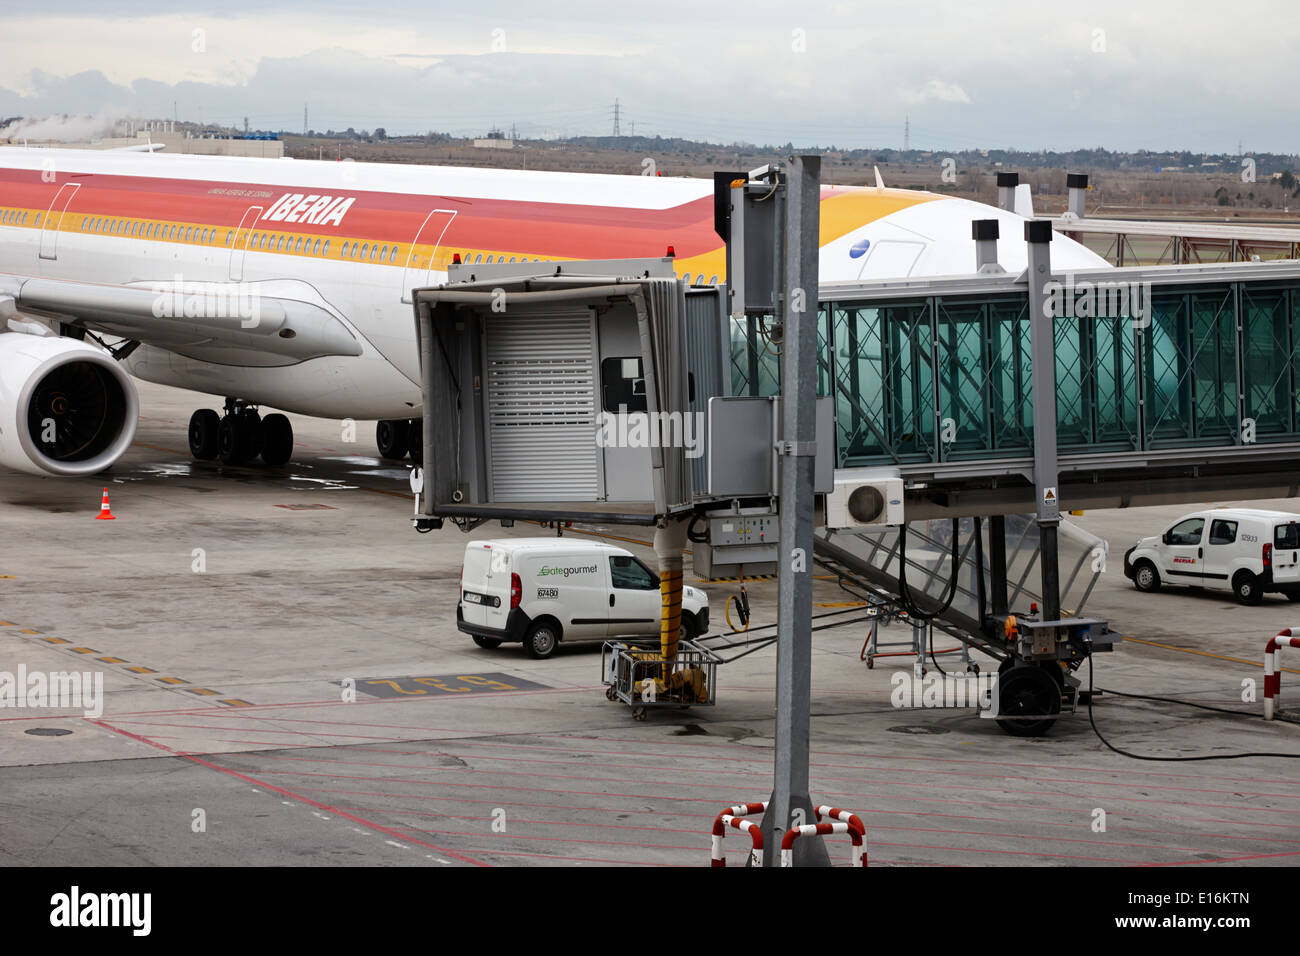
<point>240,436</point>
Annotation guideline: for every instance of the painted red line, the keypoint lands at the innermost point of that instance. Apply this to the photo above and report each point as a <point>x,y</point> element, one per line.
<point>821,785</point>
<point>284,792</point>
<point>866,769</point>
<point>1226,859</point>
<point>251,710</point>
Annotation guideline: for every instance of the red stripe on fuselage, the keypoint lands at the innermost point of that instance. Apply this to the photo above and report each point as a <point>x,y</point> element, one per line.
<point>565,230</point>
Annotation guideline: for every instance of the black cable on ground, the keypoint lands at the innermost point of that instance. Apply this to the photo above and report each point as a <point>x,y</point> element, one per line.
<point>1125,753</point>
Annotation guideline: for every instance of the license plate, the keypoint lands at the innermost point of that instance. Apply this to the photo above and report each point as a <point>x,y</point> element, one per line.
<point>472,598</point>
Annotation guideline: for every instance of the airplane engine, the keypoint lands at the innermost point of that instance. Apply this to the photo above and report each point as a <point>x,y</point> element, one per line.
<point>66,408</point>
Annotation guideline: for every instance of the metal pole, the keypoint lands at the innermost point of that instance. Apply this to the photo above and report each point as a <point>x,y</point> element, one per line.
<point>791,804</point>
<point>1038,234</point>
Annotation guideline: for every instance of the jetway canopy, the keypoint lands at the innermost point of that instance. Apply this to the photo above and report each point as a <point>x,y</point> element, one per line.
<point>1192,388</point>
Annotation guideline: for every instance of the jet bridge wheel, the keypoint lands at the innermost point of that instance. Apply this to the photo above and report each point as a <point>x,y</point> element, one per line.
<point>1026,692</point>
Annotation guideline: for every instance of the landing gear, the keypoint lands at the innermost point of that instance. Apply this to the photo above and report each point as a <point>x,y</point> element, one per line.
<point>398,437</point>
<point>240,436</point>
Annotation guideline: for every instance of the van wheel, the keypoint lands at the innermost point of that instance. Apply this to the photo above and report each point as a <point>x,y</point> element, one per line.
<point>487,642</point>
<point>1146,577</point>
<point>690,629</point>
<point>541,641</point>
<point>1246,587</point>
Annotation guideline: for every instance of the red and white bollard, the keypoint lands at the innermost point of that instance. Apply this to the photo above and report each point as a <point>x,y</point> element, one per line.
<point>856,827</point>
<point>731,817</point>
<point>821,829</point>
<point>1288,636</point>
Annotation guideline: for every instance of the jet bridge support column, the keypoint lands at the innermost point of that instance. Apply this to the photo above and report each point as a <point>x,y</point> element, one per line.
<point>1038,234</point>
<point>670,544</point>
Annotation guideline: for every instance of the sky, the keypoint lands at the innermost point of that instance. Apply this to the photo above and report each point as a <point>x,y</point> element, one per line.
<point>1140,74</point>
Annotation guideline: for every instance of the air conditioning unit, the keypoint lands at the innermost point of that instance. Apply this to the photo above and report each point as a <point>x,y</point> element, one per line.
<point>865,499</point>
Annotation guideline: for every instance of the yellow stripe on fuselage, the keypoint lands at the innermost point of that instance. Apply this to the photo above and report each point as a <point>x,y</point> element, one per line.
<point>849,208</point>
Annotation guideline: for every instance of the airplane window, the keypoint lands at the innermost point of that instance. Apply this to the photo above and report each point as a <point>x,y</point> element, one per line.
<point>315,250</point>
<point>230,235</point>
<point>189,232</point>
<point>363,250</point>
<point>392,256</point>
<point>343,253</point>
<point>373,252</point>
<point>326,250</point>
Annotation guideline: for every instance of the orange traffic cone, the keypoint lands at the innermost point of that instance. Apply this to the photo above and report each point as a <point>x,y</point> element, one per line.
<point>104,513</point>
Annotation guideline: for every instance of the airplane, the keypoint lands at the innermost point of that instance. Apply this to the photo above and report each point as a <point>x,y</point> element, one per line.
<point>287,283</point>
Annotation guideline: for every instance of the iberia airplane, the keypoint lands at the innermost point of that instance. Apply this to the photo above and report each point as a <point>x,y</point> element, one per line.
<point>287,283</point>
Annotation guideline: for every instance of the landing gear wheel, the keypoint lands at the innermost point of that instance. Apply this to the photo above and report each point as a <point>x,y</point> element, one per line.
<point>1246,587</point>
<point>277,440</point>
<point>229,447</point>
<point>415,440</point>
<point>250,433</point>
<point>541,641</point>
<point>487,642</point>
<point>392,436</point>
<point>203,434</point>
<point>1029,699</point>
<point>1145,577</point>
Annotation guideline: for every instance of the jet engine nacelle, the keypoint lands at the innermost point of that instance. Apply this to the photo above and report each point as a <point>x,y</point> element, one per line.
<point>66,408</point>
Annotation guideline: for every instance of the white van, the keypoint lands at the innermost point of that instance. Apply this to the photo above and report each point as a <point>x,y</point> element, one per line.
<point>545,590</point>
<point>1243,550</point>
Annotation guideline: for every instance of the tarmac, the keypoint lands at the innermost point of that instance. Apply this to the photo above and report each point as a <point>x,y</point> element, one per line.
<point>235,612</point>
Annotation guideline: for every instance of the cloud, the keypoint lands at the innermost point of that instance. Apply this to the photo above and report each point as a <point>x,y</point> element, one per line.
<point>936,90</point>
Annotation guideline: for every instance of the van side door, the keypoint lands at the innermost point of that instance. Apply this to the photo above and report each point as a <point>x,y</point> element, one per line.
<point>576,583</point>
<point>1182,551</point>
<point>1222,547</point>
<point>634,605</point>
<point>1286,555</point>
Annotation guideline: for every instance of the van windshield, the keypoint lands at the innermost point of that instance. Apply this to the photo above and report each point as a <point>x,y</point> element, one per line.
<point>1287,536</point>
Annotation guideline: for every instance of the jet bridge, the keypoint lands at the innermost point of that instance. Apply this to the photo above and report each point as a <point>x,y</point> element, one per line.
<point>1171,384</point>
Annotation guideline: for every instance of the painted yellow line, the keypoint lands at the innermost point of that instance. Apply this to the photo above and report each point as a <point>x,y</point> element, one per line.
<point>1188,650</point>
<point>7,577</point>
<point>50,640</point>
<point>141,670</point>
<point>172,680</point>
<point>28,630</point>
<point>6,623</point>
<point>83,650</point>
<point>235,702</point>
<point>111,660</point>
<point>203,691</point>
